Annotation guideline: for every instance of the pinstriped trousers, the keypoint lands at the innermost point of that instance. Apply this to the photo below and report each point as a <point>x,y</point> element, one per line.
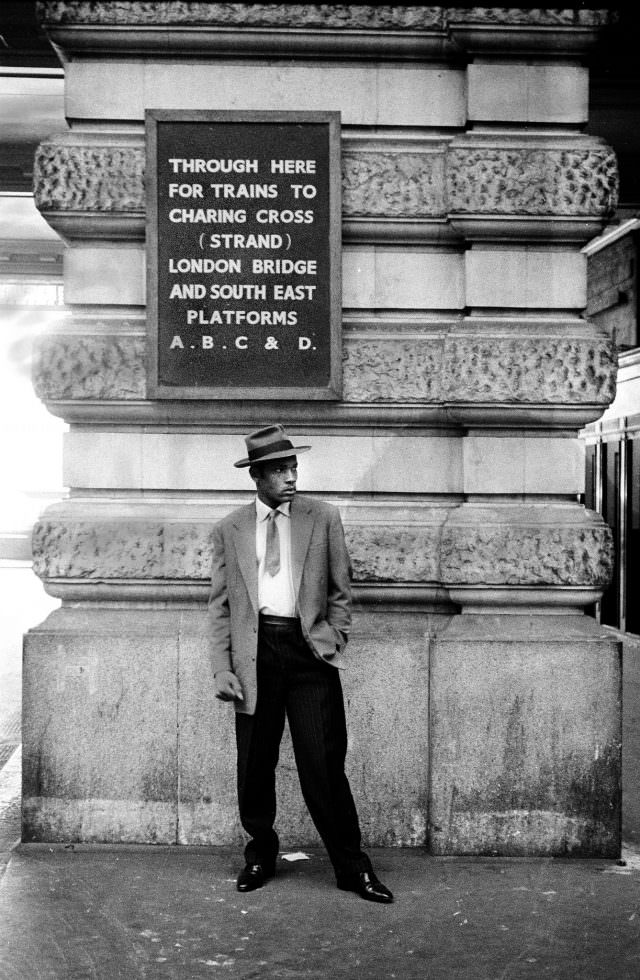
<point>292,682</point>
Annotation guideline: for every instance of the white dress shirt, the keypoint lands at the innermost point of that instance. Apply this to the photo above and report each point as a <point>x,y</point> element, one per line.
<point>276,596</point>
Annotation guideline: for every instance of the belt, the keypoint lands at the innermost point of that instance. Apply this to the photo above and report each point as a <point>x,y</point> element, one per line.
<point>268,620</point>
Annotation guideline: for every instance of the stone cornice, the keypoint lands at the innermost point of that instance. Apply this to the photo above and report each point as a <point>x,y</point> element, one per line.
<point>297,30</point>
<point>93,190</point>
<point>313,29</point>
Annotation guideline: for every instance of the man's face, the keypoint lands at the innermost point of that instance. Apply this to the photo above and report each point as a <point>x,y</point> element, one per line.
<point>276,481</point>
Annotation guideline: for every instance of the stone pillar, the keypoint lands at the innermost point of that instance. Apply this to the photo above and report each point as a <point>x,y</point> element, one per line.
<point>468,191</point>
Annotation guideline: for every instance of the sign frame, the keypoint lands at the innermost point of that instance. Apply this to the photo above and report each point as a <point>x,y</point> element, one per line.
<point>156,388</point>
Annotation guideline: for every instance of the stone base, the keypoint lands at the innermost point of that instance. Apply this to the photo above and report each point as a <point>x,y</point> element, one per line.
<point>525,737</point>
<point>124,741</point>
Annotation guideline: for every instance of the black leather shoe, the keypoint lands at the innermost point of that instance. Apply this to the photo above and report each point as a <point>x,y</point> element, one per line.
<point>366,885</point>
<point>253,876</point>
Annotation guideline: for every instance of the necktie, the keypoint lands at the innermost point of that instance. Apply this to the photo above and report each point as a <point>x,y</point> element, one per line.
<point>272,557</point>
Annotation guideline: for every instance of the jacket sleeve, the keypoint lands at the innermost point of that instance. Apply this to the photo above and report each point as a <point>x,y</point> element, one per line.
<point>218,607</point>
<point>339,593</point>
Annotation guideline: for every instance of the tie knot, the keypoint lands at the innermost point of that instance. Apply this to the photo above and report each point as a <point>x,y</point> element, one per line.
<point>273,514</point>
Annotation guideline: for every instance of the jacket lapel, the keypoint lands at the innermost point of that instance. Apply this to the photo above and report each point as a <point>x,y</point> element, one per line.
<point>245,544</point>
<point>301,527</point>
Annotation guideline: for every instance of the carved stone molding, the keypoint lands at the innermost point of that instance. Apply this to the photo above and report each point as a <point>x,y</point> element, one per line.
<point>295,30</point>
<point>483,367</point>
<point>166,12</point>
<point>572,549</point>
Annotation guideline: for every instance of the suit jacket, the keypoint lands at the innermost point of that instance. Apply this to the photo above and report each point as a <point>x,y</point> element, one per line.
<point>321,580</point>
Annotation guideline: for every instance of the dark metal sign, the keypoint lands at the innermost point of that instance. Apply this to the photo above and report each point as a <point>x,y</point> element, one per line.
<point>244,254</point>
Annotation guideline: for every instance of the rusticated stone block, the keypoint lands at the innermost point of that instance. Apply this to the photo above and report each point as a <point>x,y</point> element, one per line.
<point>494,554</point>
<point>429,369</point>
<point>393,553</point>
<point>69,177</point>
<point>547,369</point>
<point>393,184</point>
<point>570,182</point>
<point>107,179</point>
<point>506,554</point>
<point>368,17</point>
<point>162,550</point>
<point>532,181</point>
<point>392,369</point>
<point>535,17</point>
<point>101,367</point>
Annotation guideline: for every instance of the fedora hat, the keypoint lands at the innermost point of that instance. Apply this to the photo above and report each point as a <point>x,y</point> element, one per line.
<point>271,442</point>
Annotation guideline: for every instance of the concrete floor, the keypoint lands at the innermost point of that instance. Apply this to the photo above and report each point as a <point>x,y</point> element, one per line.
<point>74,913</point>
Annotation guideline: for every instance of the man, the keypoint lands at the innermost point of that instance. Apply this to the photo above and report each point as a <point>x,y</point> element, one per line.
<point>279,614</point>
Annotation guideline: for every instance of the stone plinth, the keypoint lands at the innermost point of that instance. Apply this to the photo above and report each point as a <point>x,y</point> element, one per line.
<point>525,737</point>
<point>155,761</point>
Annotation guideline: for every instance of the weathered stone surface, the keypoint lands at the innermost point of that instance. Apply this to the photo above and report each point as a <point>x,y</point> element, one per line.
<point>348,16</point>
<point>567,181</point>
<point>369,17</point>
<point>501,554</point>
<point>397,184</point>
<point>521,16</point>
<point>71,177</point>
<point>381,370</point>
<point>387,771</point>
<point>532,181</point>
<point>480,552</point>
<point>529,369</point>
<point>100,754</point>
<point>101,367</point>
<point>154,763</point>
<point>481,367</point>
<point>162,550</point>
<point>519,767</point>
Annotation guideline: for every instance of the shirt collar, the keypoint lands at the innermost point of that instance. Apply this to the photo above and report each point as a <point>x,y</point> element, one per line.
<point>262,511</point>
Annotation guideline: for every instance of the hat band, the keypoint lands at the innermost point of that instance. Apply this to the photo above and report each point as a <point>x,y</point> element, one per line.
<point>273,447</point>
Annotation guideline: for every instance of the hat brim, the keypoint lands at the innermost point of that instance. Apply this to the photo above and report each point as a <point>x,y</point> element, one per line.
<point>281,454</point>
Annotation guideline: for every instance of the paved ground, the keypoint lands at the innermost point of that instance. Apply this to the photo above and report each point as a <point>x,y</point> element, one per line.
<point>97,913</point>
<point>174,913</point>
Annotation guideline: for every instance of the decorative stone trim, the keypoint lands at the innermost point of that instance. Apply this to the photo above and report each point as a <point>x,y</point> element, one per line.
<point>487,180</point>
<point>431,369</point>
<point>348,17</point>
<point>490,554</point>
<point>532,181</point>
<point>370,17</point>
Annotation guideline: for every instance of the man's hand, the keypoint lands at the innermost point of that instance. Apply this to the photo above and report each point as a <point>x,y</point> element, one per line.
<point>227,687</point>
